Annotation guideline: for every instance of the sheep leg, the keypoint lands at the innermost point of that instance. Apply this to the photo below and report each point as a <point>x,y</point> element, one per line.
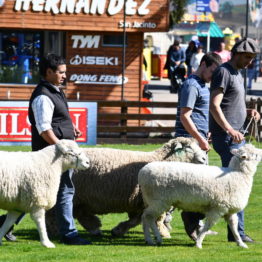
<point>233,222</point>
<point>10,220</point>
<point>123,227</point>
<point>163,229</point>
<point>149,218</point>
<point>211,218</point>
<point>38,216</point>
<point>88,221</point>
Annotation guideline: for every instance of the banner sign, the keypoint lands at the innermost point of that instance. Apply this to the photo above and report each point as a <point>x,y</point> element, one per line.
<point>15,127</point>
<point>207,6</point>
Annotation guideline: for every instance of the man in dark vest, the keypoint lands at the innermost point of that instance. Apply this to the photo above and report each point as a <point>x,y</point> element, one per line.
<point>50,120</point>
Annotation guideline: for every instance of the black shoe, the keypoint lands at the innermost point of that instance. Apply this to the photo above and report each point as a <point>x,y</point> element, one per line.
<point>9,236</point>
<point>244,238</point>
<point>247,239</point>
<point>77,240</point>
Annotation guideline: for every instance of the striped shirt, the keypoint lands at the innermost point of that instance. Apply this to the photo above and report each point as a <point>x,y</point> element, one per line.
<point>194,94</point>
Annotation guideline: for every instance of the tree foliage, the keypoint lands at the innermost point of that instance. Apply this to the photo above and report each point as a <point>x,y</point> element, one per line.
<point>178,9</point>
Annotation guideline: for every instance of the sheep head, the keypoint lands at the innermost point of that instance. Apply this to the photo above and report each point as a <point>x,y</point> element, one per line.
<point>248,152</point>
<point>184,149</point>
<point>246,159</point>
<point>73,154</point>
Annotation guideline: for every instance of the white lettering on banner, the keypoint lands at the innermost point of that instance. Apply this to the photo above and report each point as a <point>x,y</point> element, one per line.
<point>14,125</point>
<point>131,7</point>
<point>115,6</point>
<point>143,10</point>
<point>76,122</point>
<point>85,6</point>
<point>94,60</point>
<point>3,121</point>
<point>89,41</point>
<point>136,24</point>
<point>14,130</point>
<point>80,5</point>
<point>52,6</point>
<point>100,80</point>
<point>83,78</point>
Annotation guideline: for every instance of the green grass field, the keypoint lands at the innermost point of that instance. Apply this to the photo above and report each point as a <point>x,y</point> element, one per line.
<point>132,247</point>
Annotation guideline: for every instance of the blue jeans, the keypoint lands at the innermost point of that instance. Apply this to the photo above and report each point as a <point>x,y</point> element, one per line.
<point>64,206</point>
<point>222,144</point>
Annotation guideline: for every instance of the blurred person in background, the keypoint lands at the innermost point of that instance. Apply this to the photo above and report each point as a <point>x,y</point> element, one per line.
<point>175,64</point>
<point>224,54</point>
<point>190,51</point>
<point>196,58</point>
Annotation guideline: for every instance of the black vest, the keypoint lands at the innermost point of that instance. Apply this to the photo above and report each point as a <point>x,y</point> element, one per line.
<point>61,122</point>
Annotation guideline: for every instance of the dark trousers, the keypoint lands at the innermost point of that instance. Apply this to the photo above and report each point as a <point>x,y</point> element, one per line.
<point>223,144</point>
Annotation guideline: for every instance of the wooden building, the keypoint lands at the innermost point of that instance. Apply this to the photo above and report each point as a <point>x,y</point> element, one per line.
<point>102,63</point>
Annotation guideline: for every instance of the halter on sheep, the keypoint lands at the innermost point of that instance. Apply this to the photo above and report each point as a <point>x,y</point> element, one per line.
<point>214,191</point>
<point>29,182</point>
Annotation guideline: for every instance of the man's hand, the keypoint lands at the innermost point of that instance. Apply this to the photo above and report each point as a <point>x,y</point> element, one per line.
<point>254,113</point>
<point>236,135</point>
<point>77,132</point>
<point>203,144</point>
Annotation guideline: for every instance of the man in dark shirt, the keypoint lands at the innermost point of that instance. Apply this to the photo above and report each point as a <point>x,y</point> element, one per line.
<point>228,109</point>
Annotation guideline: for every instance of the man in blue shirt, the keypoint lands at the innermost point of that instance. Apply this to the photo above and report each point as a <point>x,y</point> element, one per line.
<point>193,116</point>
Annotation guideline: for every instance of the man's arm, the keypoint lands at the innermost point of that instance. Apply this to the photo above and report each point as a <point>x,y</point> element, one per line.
<point>43,109</point>
<point>49,137</point>
<point>216,111</point>
<point>190,127</point>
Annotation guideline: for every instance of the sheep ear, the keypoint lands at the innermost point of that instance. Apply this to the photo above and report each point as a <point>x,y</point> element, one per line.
<point>234,151</point>
<point>178,146</point>
<point>62,148</point>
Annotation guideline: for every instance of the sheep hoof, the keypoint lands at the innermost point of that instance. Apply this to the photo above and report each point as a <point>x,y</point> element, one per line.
<point>115,232</point>
<point>96,232</point>
<point>167,236</point>
<point>199,246</point>
<point>212,233</point>
<point>48,244</point>
<point>242,245</point>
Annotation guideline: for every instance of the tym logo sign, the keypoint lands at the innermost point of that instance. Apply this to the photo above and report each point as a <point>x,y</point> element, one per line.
<point>88,41</point>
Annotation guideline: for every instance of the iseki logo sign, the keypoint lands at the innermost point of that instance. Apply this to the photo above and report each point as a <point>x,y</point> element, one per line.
<point>15,125</point>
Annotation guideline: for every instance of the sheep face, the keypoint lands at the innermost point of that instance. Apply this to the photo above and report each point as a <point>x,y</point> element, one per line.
<point>248,152</point>
<point>185,149</point>
<point>74,156</point>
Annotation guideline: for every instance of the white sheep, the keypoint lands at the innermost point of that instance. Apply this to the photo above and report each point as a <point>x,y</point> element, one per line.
<point>110,184</point>
<point>214,191</point>
<point>29,182</point>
